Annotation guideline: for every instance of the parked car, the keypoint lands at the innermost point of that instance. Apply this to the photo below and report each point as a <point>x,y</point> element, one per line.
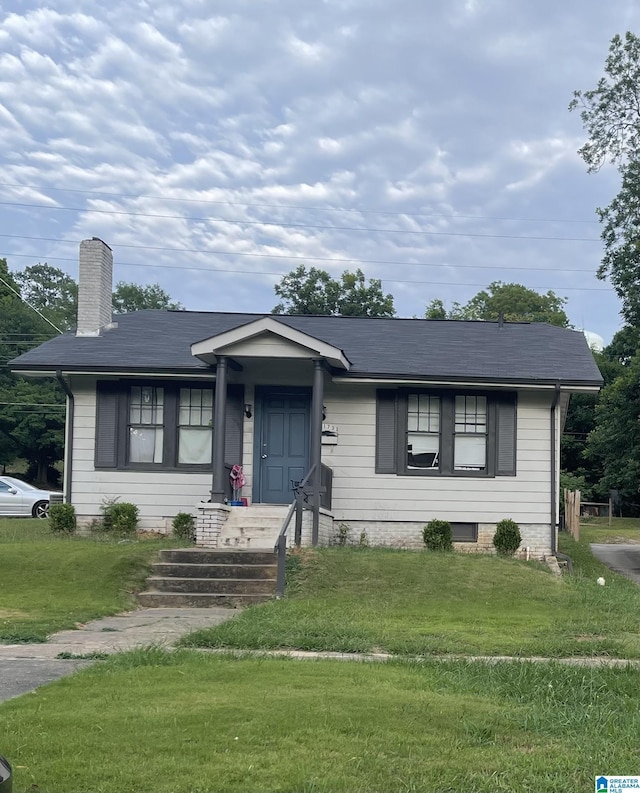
<point>17,498</point>
<point>6,780</point>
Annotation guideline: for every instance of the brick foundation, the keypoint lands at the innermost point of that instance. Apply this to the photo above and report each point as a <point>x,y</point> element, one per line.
<point>408,534</point>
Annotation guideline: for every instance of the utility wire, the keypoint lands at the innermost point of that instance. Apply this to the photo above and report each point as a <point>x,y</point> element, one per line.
<point>278,224</point>
<point>33,308</point>
<point>361,211</point>
<point>275,256</point>
<point>254,273</point>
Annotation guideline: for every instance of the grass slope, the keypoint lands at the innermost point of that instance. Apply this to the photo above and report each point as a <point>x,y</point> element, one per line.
<point>356,600</point>
<point>49,583</point>
<point>189,722</point>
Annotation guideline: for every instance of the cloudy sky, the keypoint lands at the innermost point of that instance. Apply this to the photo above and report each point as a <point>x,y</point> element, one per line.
<point>216,145</point>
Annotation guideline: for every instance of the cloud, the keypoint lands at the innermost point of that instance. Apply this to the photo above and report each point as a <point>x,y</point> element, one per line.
<point>326,131</point>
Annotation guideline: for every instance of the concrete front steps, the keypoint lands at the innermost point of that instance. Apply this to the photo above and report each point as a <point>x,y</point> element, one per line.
<point>254,527</point>
<point>201,578</point>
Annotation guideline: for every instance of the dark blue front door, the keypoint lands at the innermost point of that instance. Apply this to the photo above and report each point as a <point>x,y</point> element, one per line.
<point>283,449</point>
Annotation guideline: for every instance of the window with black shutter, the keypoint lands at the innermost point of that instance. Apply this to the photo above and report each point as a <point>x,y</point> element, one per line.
<point>445,433</point>
<point>145,425</point>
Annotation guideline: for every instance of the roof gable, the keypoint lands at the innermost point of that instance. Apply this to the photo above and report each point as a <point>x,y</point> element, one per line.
<point>282,341</point>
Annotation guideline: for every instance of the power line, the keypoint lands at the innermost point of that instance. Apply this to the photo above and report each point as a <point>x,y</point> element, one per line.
<point>361,211</point>
<point>341,260</point>
<point>297,225</point>
<point>33,308</point>
<point>255,273</point>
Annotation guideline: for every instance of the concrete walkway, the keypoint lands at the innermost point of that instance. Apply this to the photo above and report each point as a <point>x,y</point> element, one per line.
<point>122,632</point>
<point>24,667</point>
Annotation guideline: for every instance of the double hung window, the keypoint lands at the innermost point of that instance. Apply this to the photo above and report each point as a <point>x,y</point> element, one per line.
<point>195,420</point>
<point>423,431</point>
<point>470,433</point>
<point>146,424</point>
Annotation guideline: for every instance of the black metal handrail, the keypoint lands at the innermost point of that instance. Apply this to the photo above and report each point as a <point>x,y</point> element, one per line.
<point>280,546</point>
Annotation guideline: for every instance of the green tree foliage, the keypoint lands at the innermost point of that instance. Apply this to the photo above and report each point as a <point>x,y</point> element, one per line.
<point>515,302</point>
<point>314,291</point>
<point>133,297</point>
<point>52,292</point>
<point>610,114</point>
<point>32,416</point>
<point>614,444</point>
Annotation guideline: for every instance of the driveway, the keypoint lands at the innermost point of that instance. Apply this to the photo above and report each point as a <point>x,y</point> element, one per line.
<point>623,558</point>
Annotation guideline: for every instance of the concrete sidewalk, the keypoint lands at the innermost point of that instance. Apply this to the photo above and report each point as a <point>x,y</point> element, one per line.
<point>24,667</point>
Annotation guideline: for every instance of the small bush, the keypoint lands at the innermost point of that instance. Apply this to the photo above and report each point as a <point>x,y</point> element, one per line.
<point>437,535</point>
<point>184,526</point>
<point>62,518</point>
<point>507,538</point>
<point>118,518</point>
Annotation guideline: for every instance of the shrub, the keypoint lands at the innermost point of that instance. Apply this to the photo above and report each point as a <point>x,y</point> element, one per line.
<point>437,535</point>
<point>507,538</point>
<point>118,518</point>
<point>62,518</point>
<point>184,526</point>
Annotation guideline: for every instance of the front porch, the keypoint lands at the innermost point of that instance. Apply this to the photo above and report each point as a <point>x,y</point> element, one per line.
<point>281,374</point>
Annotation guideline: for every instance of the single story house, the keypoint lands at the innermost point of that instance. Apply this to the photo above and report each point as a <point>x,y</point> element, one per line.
<point>393,422</point>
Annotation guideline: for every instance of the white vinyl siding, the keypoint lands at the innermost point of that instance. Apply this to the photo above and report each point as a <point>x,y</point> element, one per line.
<point>361,494</point>
<point>157,496</point>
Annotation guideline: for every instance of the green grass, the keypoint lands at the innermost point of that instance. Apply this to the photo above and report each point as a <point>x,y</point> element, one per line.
<point>49,583</point>
<point>621,529</point>
<point>183,722</point>
<point>354,600</point>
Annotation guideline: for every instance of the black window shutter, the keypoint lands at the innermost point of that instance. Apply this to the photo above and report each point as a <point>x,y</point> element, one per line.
<point>233,430</point>
<point>386,420</point>
<point>506,436</point>
<point>107,399</point>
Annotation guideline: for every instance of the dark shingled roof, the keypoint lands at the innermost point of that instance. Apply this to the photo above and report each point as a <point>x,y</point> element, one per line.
<point>438,349</point>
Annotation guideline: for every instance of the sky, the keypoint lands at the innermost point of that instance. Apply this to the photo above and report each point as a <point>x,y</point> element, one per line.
<point>215,146</point>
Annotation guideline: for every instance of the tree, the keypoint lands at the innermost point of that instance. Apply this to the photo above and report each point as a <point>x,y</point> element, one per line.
<point>316,292</point>
<point>614,445</point>
<point>32,413</point>
<point>35,421</point>
<point>516,303</point>
<point>610,114</point>
<point>581,421</point>
<point>133,297</point>
<point>52,292</point>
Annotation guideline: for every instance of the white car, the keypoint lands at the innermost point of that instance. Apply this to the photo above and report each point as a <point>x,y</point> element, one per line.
<point>17,498</point>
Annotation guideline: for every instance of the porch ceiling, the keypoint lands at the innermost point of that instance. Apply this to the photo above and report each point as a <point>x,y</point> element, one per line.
<point>267,338</point>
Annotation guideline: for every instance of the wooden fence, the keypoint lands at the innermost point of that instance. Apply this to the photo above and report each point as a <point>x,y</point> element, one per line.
<point>572,512</point>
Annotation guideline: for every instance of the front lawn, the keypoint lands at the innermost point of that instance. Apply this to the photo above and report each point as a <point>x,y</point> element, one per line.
<point>355,600</point>
<point>155,721</point>
<point>49,583</point>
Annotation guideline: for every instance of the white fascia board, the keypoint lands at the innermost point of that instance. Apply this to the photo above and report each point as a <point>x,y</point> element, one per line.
<point>211,346</point>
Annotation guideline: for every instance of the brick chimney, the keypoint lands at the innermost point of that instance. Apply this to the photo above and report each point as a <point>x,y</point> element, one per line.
<point>95,285</point>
